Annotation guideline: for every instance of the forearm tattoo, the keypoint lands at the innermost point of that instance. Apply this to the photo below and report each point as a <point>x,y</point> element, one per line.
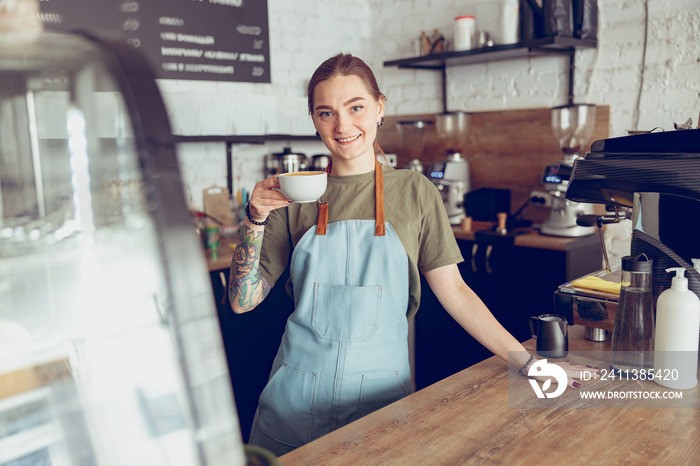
<point>247,286</point>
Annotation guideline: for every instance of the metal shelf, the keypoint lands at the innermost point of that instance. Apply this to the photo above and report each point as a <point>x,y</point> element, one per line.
<point>230,140</point>
<point>554,45</point>
<point>246,139</point>
<point>538,47</point>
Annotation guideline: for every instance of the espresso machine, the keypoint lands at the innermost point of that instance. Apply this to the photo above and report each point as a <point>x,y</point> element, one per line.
<point>284,162</point>
<point>572,126</point>
<point>451,176</point>
<point>657,175</point>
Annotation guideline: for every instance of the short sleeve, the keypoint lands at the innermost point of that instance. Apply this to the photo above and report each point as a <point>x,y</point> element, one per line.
<point>437,244</point>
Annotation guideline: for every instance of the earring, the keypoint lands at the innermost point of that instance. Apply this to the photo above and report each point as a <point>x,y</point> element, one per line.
<point>318,134</point>
<point>381,122</point>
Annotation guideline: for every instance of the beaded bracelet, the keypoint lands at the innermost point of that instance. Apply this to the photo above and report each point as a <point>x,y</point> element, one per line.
<point>250,217</point>
<point>527,364</point>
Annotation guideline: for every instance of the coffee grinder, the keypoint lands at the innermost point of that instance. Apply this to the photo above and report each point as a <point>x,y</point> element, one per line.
<point>451,176</point>
<point>413,134</point>
<point>572,126</point>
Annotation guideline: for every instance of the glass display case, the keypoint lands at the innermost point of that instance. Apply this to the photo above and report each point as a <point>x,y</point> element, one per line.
<point>110,348</point>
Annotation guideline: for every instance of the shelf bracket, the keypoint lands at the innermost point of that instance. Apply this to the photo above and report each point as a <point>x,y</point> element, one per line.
<point>229,168</point>
<point>528,49</point>
<point>570,90</point>
<point>572,69</point>
<point>444,89</point>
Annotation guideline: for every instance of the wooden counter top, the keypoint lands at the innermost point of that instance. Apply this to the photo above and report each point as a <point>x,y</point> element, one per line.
<point>530,238</point>
<point>466,418</point>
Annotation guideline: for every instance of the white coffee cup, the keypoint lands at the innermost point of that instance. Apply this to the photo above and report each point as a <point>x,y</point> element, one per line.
<point>303,186</point>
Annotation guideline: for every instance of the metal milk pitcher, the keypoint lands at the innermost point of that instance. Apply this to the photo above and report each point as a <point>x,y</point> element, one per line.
<point>551,334</point>
<point>632,346</point>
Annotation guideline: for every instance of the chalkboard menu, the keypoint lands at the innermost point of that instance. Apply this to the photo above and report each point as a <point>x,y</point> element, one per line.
<point>216,40</point>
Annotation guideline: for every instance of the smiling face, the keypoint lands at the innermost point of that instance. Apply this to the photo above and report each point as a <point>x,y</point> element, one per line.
<point>346,117</point>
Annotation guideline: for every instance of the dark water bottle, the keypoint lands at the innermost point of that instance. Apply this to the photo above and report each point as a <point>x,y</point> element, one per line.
<point>633,335</point>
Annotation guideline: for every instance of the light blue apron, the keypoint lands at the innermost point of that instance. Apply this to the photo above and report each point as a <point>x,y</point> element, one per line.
<point>344,352</point>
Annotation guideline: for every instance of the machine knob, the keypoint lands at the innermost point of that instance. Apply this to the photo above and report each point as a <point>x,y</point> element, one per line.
<point>599,220</point>
<point>587,220</point>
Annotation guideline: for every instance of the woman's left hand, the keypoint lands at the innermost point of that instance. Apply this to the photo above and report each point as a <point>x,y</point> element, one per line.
<point>574,373</point>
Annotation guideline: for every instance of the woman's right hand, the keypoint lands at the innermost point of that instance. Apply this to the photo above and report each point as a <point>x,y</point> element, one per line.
<point>266,198</point>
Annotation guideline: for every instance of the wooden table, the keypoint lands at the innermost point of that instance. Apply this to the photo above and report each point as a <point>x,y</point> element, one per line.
<point>467,419</point>
<point>224,255</point>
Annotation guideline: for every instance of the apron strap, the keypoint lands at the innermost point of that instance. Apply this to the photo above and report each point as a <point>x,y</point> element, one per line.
<point>322,223</point>
<point>379,228</point>
<point>322,226</point>
<point>379,220</point>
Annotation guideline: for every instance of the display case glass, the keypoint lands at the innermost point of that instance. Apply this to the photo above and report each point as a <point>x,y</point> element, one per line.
<point>110,348</point>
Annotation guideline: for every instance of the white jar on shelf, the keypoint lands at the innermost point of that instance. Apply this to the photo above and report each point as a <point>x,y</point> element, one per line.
<point>464,33</point>
<point>510,22</point>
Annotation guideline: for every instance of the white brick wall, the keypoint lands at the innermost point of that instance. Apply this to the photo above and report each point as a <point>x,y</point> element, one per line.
<point>303,33</point>
<point>608,75</point>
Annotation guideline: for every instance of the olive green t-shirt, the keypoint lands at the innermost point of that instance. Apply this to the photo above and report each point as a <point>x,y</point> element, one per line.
<point>412,205</point>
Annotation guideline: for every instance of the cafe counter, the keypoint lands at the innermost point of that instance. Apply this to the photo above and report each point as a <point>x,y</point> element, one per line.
<point>532,267</point>
<point>525,237</point>
<point>474,416</point>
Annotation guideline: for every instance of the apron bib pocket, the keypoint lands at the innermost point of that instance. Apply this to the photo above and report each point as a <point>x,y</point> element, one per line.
<point>379,390</point>
<point>345,313</point>
<point>290,413</point>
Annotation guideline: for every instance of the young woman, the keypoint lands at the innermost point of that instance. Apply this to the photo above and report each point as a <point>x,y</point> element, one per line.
<point>354,261</point>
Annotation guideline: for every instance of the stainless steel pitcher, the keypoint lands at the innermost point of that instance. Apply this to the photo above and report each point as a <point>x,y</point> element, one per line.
<point>551,334</point>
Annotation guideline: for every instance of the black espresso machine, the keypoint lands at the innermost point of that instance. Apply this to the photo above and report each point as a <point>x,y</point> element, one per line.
<point>657,175</point>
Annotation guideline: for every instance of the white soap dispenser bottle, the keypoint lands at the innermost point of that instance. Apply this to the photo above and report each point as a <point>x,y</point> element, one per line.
<point>677,330</point>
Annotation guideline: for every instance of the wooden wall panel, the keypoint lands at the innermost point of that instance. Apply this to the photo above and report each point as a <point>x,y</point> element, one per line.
<point>506,149</point>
